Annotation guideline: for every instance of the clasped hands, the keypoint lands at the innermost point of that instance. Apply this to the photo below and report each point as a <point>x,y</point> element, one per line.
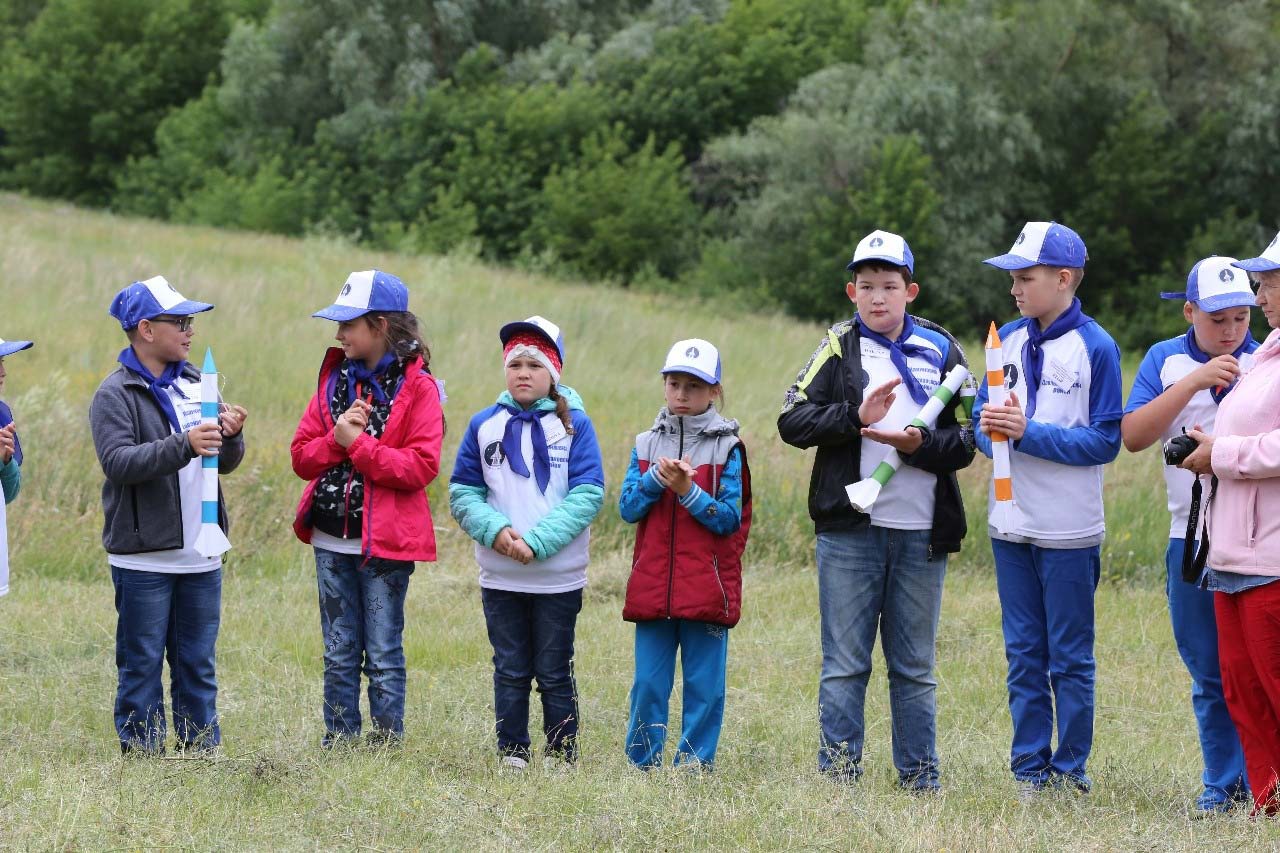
<point>351,423</point>
<point>508,543</point>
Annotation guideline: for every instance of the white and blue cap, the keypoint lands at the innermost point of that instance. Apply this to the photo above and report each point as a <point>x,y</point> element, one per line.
<point>535,325</point>
<point>883,246</point>
<point>1266,262</point>
<point>1043,243</point>
<point>1214,284</point>
<point>696,357</point>
<point>366,291</point>
<point>144,300</point>
<point>10,347</point>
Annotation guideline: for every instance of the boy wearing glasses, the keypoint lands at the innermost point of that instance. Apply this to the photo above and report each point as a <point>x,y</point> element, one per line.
<point>148,434</point>
<point>1178,388</point>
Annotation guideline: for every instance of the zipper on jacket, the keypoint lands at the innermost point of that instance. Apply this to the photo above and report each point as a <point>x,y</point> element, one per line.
<point>675,506</point>
<point>346,503</point>
<point>133,502</point>
<point>715,567</point>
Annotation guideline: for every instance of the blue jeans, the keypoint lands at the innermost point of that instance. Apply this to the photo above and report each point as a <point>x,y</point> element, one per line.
<point>1195,631</point>
<point>879,578</point>
<point>532,636</point>
<point>362,623</point>
<point>1046,613</point>
<point>173,615</point>
<point>704,651</point>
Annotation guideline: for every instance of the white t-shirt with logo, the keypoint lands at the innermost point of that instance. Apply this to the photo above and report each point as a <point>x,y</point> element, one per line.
<point>906,502</point>
<point>184,560</point>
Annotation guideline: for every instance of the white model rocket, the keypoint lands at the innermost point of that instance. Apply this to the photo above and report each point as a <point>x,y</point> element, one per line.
<point>863,493</point>
<point>1005,515</point>
<point>211,542</point>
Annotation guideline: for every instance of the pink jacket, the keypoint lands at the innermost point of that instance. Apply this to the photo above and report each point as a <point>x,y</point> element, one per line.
<point>1244,521</point>
<point>397,468</point>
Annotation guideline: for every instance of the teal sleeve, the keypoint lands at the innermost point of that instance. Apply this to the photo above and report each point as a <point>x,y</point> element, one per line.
<point>469,506</point>
<point>11,480</point>
<point>569,518</point>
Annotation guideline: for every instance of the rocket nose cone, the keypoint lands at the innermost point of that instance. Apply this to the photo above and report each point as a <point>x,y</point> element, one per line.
<point>993,336</point>
<point>209,366</point>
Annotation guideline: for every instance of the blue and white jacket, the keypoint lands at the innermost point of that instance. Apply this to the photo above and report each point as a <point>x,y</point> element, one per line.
<point>485,496</point>
<point>1057,464</point>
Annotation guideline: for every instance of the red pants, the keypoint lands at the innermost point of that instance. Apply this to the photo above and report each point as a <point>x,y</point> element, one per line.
<point>1249,656</point>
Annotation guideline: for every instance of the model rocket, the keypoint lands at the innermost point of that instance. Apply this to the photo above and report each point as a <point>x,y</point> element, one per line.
<point>863,493</point>
<point>1005,515</point>
<point>211,542</point>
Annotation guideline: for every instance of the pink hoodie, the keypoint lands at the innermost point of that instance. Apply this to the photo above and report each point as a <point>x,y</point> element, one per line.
<point>1244,524</point>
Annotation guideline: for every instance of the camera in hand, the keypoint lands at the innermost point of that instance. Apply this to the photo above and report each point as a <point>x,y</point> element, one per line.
<point>1178,449</point>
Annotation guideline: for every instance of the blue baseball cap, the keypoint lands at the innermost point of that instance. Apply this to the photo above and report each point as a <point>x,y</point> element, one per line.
<point>696,357</point>
<point>10,347</point>
<point>1213,284</point>
<point>366,291</point>
<point>883,246</point>
<point>1043,243</point>
<point>144,300</point>
<point>1266,262</point>
<point>538,326</point>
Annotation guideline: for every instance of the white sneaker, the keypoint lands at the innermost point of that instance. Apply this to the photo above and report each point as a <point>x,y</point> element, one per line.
<point>514,762</point>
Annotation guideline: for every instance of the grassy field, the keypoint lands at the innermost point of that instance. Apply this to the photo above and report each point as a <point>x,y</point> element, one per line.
<point>63,785</point>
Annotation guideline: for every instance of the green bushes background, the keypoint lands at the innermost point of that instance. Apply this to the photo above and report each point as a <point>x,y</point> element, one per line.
<point>731,148</point>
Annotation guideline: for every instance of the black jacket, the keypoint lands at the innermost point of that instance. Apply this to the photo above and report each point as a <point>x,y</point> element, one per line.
<point>821,410</point>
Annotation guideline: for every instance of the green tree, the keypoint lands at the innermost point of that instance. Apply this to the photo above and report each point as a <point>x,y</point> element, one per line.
<point>616,211</point>
<point>87,82</point>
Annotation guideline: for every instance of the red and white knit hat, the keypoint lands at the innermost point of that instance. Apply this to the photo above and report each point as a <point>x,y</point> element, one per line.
<point>537,338</point>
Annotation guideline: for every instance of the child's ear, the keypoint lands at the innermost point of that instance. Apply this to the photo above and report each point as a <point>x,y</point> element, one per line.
<point>913,290</point>
<point>1188,312</point>
<point>851,290</point>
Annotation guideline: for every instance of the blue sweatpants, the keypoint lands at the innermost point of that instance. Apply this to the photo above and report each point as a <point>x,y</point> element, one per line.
<point>1046,612</point>
<point>1195,632</point>
<point>704,652</point>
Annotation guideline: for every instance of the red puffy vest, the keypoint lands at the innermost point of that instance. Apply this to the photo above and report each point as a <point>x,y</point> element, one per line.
<point>680,569</point>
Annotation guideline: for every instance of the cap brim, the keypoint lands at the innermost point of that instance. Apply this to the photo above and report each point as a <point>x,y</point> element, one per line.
<point>186,309</point>
<point>1226,300</point>
<point>10,347</point>
<point>1257,264</point>
<point>897,262</point>
<point>510,330</point>
<point>692,371</point>
<point>340,313</point>
<point>1011,262</point>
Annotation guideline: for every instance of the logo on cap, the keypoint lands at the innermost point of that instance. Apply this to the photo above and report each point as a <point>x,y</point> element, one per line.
<point>1022,238</point>
<point>346,288</point>
<point>876,242</point>
<point>691,352</point>
<point>1226,275</point>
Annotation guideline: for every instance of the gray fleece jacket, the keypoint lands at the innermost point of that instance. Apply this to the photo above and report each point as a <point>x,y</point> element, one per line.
<point>141,456</point>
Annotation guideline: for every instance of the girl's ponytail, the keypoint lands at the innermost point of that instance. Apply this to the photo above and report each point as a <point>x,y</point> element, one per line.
<point>562,409</point>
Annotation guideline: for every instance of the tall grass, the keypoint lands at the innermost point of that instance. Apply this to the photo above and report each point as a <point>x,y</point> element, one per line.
<point>62,785</point>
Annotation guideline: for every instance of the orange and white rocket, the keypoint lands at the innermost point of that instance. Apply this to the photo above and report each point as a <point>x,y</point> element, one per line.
<point>1005,515</point>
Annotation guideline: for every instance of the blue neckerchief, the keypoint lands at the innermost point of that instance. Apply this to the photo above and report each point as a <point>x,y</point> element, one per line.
<point>6,418</point>
<point>369,378</point>
<point>158,385</point>
<point>1033,352</point>
<point>1203,357</point>
<point>511,446</point>
<point>899,350</point>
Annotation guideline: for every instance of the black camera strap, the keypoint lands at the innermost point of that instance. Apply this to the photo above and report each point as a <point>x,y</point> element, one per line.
<point>1193,559</point>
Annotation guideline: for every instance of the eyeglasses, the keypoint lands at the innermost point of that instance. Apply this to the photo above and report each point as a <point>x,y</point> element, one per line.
<point>183,323</point>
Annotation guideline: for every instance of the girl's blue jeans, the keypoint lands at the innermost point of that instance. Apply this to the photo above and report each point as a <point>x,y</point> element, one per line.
<point>362,624</point>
